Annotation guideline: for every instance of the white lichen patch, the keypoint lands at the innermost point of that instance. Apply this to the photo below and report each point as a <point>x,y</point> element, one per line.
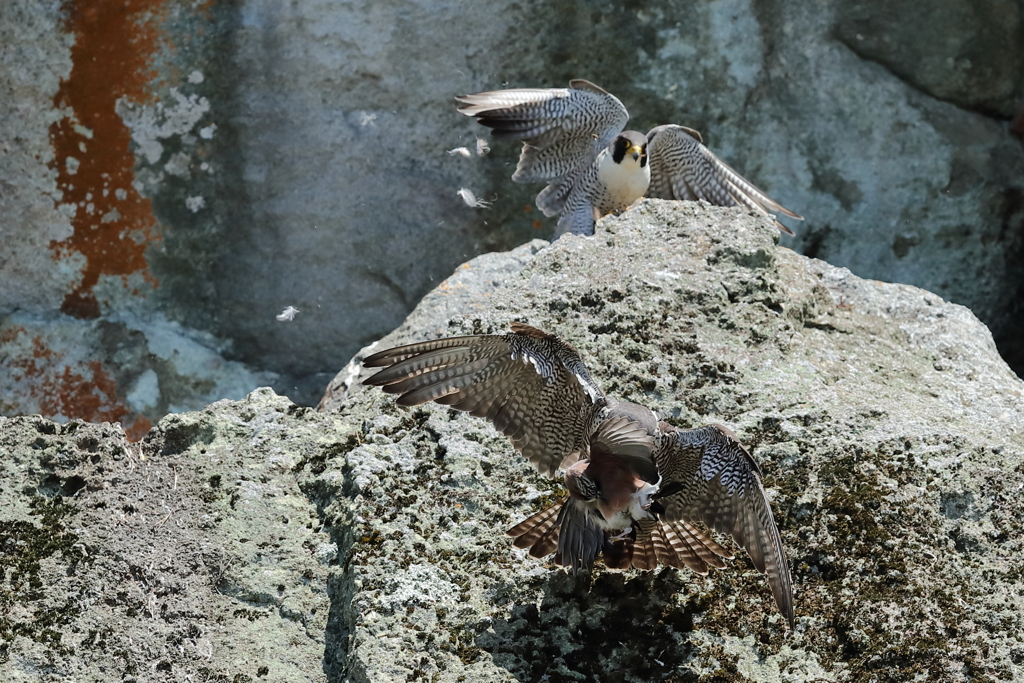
<point>178,165</point>
<point>757,663</point>
<point>325,553</point>
<point>145,393</point>
<point>151,124</point>
<point>420,584</point>
<point>371,459</point>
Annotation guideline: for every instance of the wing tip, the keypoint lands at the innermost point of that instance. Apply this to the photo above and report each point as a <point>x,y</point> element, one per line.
<point>381,359</point>
<point>783,229</point>
<point>368,382</point>
<point>584,84</point>
<point>530,331</point>
<point>784,602</point>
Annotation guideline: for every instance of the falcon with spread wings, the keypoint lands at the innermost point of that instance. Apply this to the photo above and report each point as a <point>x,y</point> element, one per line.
<point>573,139</point>
<point>639,489</point>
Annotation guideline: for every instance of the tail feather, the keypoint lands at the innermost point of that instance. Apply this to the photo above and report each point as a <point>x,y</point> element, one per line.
<point>644,554</point>
<point>670,552</point>
<point>539,531</point>
<point>580,539</point>
<point>564,528</point>
<point>673,544</point>
<point>698,543</point>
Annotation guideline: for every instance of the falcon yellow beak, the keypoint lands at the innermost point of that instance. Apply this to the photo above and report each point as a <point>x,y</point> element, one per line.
<point>635,151</point>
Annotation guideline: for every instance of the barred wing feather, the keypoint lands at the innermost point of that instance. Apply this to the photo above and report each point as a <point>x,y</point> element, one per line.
<point>562,129</point>
<point>707,476</point>
<point>533,387</point>
<point>683,168</point>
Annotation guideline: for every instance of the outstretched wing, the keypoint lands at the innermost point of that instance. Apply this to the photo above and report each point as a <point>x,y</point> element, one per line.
<point>532,386</point>
<point>707,476</point>
<point>683,168</point>
<point>562,129</point>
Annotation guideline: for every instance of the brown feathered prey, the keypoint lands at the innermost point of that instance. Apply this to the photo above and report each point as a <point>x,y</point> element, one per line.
<point>573,140</point>
<point>639,489</point>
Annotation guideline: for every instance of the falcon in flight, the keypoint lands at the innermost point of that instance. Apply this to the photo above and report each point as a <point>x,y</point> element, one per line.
<point>573,139</point>
<point>638,488</point>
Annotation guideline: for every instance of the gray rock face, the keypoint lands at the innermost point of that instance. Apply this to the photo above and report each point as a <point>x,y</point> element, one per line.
<point>965,53</point>
<point>365,543</point>
<point>287,155</point>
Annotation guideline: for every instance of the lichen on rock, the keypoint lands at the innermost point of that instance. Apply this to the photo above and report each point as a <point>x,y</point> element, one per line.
<point>365,542</point>
<point>887,426</point>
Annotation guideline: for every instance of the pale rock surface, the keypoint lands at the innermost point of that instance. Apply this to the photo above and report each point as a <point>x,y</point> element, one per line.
<point>255,539</point>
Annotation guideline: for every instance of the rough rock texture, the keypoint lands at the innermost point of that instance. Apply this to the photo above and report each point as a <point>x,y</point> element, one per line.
<point>167,163</point>
<point>119,368</point>
<point>890,433</point>
<point>193,555</point>
<point>888,428</point>
<point>939,51</point>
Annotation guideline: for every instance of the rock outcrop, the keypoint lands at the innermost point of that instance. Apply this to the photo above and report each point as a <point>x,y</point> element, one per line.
<point>365,542</point>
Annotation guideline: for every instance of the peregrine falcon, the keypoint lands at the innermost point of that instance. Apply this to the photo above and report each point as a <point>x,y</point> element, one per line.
<point>573,139</point>
<point>637,487</point>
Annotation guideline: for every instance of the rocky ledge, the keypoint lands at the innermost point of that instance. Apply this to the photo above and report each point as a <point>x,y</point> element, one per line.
<point>255,540</point>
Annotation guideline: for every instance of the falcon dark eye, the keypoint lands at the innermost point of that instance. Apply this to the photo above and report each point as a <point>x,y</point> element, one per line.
<point>619,150</point>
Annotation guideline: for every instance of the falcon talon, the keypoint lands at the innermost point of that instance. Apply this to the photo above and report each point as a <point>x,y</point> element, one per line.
<point>638,487</point>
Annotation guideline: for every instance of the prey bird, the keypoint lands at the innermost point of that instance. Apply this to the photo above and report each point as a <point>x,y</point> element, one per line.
<point>638,488</point>
<point>573,140</point>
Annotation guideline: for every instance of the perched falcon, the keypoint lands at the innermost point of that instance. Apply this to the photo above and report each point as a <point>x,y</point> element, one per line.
<point>573,139</point>
<point>637,487</point>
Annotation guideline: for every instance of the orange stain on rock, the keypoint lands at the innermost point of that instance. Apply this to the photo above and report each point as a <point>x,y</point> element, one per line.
<point>113,224</point>
<point>56,390</point>
<point>138,429</point>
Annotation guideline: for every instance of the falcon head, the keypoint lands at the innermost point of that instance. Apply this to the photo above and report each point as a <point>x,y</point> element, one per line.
<point>630,147</point>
